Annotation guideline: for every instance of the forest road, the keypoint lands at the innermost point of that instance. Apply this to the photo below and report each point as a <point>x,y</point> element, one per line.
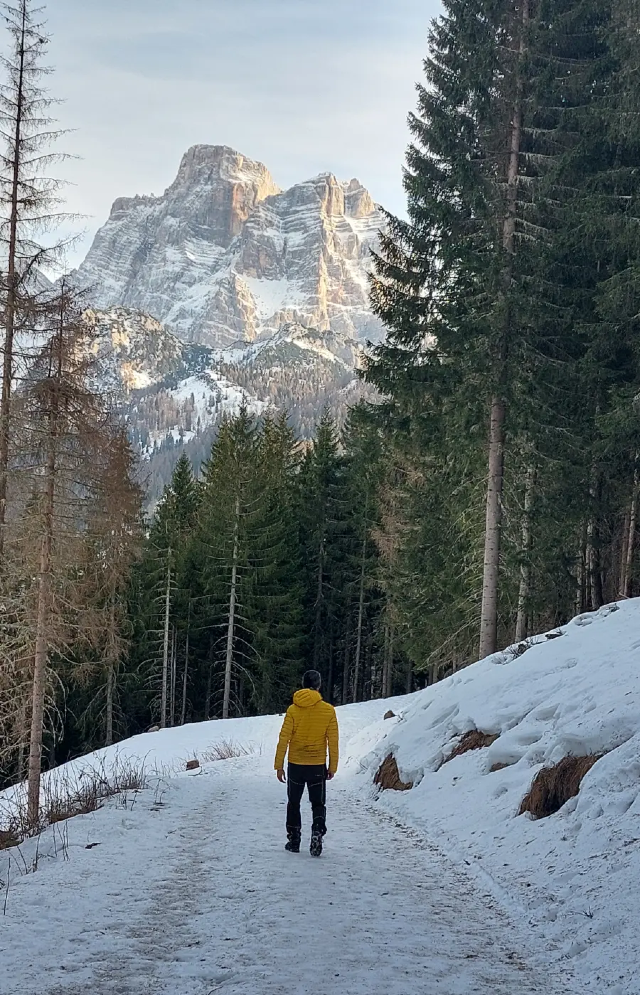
<point>228,910</point>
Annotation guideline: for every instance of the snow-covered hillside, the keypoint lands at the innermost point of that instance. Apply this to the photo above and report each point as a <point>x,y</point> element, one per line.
<point>184,887</point>
<point>574,876</point>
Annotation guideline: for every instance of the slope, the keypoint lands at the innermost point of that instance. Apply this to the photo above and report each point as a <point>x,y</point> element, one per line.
<point>573,876</point>
<point>185,888</point>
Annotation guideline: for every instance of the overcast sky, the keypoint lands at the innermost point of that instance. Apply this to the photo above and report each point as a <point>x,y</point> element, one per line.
<point>305,86</point>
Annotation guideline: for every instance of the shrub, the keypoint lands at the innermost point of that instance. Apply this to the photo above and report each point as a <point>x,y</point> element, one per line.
<point>71,791</point>
<point>225,750</point>
<point>472,740</point>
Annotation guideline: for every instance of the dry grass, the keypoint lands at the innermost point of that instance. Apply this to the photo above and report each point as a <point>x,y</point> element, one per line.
<point>553,786</point>
<point>225,750</point>
<point>472,740</point>
<point>388,776</point>
<point>67,794</point>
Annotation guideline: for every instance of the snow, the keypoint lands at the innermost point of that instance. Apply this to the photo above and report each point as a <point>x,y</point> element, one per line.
<point>272,296</point>
<point>185,889</point>
<point>213,396</point>
<point>575,876</point>
<point>442,889</point>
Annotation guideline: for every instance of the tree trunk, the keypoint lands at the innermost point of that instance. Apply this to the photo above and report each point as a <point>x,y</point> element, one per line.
<point>624,546</point>
<point>593,546</point>
<point>387,667</point>
<point>493,528</point>
<point>44,602</point>
<point>318,620</point>
<point>12,284</point>
<point>165,650</point>
<point>174,663</point>
<point>111,678</point>
<point>207,696</point>
<point>385,661</point>
<point>108,739</point>
<point>22,741</point>
<point>345,665</point>
<point>409,678</point>
<point>581,572</point>
<point>185,674</point>
<point>631,539</point>
<point>232,614</point>
<point>39,683</point>
<point>356,667</point>
<point>525,566</point>
<point>329,691</point>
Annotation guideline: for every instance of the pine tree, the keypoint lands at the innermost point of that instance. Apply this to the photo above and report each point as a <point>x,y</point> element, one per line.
<point>322,524</point>
<point>478,302</point>
<point>275,608</point>
<point>230,505</point>
<point>112,546</point>
<point>363,453</point>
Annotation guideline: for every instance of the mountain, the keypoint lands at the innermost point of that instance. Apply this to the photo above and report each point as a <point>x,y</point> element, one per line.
<point>224,255</point>
<point>227,290</point>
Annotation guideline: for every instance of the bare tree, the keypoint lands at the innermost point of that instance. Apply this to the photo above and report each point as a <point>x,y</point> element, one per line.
<point>29,197</point>
<point>62,427</point>
<point>113,543</point>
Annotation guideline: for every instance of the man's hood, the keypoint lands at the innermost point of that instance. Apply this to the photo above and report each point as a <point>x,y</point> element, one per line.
<point>305,698</point>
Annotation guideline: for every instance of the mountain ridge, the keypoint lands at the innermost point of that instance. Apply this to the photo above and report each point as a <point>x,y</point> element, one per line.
<point>225,255</point>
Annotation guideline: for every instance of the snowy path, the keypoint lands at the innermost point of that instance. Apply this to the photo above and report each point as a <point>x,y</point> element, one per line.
<point>197,896</point>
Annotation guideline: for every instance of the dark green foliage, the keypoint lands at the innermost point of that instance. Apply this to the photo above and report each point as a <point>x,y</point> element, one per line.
<point>547,320</point>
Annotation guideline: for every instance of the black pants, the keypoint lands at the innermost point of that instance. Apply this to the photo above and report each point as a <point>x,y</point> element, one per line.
<point>314,776</point>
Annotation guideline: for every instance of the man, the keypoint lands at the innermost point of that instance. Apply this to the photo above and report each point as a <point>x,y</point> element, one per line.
<point>310,728</point>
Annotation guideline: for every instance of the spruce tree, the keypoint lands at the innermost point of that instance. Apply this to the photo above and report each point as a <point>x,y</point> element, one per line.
<point>322,511</point>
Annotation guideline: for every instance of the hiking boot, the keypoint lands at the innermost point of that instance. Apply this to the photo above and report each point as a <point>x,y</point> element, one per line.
<point>315,848</point>
<point>293,835</point>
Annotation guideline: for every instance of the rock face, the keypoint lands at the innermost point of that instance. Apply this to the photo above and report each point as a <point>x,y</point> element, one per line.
<point>224,256</point>
<point>133,351</point>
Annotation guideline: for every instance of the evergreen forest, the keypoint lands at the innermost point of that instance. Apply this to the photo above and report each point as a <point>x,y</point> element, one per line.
<point>486,490</point>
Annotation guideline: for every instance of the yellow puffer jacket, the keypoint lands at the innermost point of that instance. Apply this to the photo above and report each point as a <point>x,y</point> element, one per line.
<point>309,727</point>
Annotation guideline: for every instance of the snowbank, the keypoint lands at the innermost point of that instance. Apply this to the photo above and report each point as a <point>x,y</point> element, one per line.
<point>574,876</point>
<point>572,880</point>
<point>165,752</point>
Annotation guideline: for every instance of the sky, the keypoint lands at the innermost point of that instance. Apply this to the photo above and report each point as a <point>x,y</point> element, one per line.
<point>305,86</point>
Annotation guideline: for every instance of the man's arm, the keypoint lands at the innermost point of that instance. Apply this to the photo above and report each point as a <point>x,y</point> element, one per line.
<point>333,741</point>
<point>283,742</point>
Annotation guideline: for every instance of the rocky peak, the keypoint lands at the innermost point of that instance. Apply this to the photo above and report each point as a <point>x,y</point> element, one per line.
<point>212,165</point>
<point>358,202</point>
<point>225,255</point>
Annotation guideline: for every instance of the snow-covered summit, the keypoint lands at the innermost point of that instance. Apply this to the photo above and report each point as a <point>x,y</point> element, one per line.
<point>225,255</point>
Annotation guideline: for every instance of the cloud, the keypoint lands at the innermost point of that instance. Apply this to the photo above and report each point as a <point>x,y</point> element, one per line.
<point>301,85</point>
